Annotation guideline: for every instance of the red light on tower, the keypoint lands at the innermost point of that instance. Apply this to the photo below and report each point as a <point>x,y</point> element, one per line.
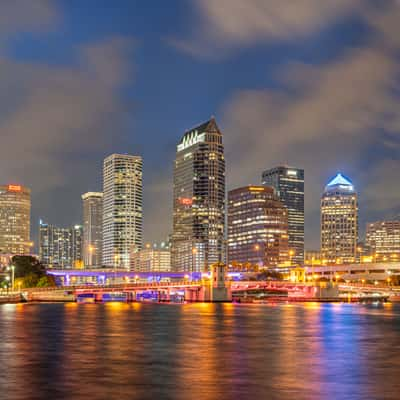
<point>14,188</point>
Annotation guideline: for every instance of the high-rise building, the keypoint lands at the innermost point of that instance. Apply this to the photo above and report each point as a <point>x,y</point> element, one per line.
<point>60,247</point>
<point>289,185</point>
<point>122,209</point>
<point>152,258</point>
<point>15,217</point>
<point>199,199</point>
<point>77,246</point>
<point>257,227</point>
<point>339,221</point>
<point>92,228</point>
<point>383,240</point>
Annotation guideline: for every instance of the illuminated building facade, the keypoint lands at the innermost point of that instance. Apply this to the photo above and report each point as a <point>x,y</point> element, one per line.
<point>122,209</point>
<point>15,217</point>
<point>92,228</point>
<point>339,221</point>
<point>257,227</point>
<point>60,247</point>
<point>383,240</point>
<point>199,199</point>
<point>312,257</point>
<point>289,185</point>
<point>152,258</point>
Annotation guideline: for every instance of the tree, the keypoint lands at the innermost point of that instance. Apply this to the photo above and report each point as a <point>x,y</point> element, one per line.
<point>46,281</point>
<point>25,265</point>
<point>30,272</point>
<point>30,280</point>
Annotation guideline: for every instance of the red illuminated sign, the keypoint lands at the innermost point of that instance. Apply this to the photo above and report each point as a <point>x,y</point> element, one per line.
<point>14,188</point>
<point>185,201</point>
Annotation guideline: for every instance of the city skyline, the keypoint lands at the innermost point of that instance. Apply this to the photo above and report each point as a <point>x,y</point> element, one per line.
<point>121,85</point>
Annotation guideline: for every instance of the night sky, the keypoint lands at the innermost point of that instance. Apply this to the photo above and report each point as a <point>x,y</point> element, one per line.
<point>309,83</point>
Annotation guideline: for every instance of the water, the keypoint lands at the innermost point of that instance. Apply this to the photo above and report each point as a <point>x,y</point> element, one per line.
<point>199,351</point>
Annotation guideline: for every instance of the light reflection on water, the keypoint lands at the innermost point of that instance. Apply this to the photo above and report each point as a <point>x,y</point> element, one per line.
<point>205,351</point>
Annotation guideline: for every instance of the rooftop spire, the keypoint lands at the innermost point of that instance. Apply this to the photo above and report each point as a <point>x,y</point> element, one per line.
<point>339,179</point>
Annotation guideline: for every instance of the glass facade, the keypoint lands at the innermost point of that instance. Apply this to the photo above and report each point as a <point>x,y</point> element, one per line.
<point>289,185</point>
<point>60,247</point>
<point>383,240</point>
<point>92,228</point>
<point>122,209</point>
<point>15,217</point>
<point>257,227</point>
<point>339,221</point>
<point>199,199</point>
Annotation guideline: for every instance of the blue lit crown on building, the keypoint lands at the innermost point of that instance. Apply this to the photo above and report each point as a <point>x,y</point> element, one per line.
<point>340,183</point>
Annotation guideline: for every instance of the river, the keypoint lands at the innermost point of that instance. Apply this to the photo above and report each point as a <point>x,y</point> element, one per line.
<point>199,351</point>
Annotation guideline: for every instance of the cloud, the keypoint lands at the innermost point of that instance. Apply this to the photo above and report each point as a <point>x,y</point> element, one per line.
<point>57,121</point>
<point>27,16</point>
<point>339,115</point>
<point>226,24</point>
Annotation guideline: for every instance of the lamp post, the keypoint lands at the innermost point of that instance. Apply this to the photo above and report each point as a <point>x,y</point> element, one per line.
<point>12,276</point>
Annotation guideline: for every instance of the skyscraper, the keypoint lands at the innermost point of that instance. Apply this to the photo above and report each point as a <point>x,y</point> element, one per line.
<point>60,247</point>
<point>199,199</point>
<point>383,240</point>
<point>339,221</point>
<point>92,228</point>
<point>15,217</point>
<point>77,246</point>
<point>289,185</point>
<point>122,208</point>
<point>257,227</point>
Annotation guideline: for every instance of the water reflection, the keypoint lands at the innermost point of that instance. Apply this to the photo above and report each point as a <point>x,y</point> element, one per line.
<point>207,351</point>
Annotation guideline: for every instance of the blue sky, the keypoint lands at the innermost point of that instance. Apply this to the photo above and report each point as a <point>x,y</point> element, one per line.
<point>309,83</point>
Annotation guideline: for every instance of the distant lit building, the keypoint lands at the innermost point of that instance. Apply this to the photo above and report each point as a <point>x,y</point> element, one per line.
<point>383,240</point>
<point>313,257</point>
<point>60,247</point>
<point>92,228</point>
<point>77,246</point>
<point>257,227</point>
<point>152,258</point>
<point>122,209</point>
<point>15,217</point>
<point>289,185</point>
<point>339,221</point>
<point>199,199</point>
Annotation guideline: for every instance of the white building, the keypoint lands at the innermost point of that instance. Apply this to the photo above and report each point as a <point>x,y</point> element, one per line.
<point>339,221</point>
<point>151,259</point>
<point>122,209</point>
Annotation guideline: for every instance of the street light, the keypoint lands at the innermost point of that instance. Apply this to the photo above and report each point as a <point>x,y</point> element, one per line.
<point>12,269</point>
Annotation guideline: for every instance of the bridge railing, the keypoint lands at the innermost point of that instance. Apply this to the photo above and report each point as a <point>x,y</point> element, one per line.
<point>184,283</point>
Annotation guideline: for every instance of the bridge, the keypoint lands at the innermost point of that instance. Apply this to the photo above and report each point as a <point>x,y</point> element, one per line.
<point>102,276</point>
<point>356,272</point>
<point>133,286</point>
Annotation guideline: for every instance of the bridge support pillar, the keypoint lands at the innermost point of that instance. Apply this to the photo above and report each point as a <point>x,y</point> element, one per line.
<point>219,290</point>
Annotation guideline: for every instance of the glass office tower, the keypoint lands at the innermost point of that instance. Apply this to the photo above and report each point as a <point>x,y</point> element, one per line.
<point>199,199</point>
<point>289,185</point>
<point>339,221</point>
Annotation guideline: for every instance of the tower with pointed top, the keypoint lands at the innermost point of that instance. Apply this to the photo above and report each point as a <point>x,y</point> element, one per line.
<point>199,199</point>
<point>339,221</point>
